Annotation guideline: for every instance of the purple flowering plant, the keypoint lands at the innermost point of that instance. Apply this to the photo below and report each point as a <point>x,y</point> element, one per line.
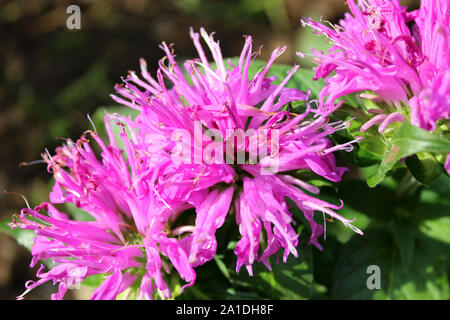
<point>395,63</point>
<point>303,177</point>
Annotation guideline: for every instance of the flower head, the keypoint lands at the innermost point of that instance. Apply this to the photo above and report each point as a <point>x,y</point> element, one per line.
<point>126,238</point>
<point>200,117</point>
<point>217,143</point>
<point>375,50</point>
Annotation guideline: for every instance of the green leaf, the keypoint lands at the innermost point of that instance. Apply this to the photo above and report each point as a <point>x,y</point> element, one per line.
<point>426,277</point>
<point>292,280</point>
<point>221,265</point>
<point>408,140</point>
<point>424,167</point>
<point>94,280</point>
<point>342,233</point>
<point>442,186</point>
<point>366,152</point>
<point>404,237</point>
<point>211,284</point>
<point>373,202</point>
<point>370,149</point>
<point>438,229</point>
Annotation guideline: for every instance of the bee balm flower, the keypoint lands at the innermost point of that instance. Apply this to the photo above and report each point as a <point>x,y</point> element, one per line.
<point>217,144</point>
<point>375,50</point>
<point>127,241</point>
<point>200,116</point>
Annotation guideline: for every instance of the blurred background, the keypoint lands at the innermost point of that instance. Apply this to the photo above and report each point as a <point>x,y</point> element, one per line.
<point>51,77</point>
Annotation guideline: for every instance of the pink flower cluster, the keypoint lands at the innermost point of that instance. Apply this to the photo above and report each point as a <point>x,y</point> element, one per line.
<point>140,199</point>
<point>376,53</point>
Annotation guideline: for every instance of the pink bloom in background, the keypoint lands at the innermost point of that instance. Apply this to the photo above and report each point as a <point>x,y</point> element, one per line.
<point>137,197</point>
<point>128,232</point>
<point>375,50</point>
